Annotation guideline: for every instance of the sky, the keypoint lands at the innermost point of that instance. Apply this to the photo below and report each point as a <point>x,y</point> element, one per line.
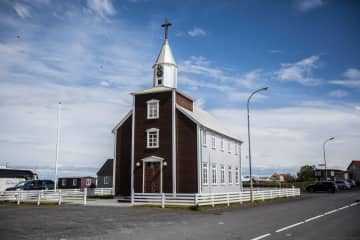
<point>90,54</point>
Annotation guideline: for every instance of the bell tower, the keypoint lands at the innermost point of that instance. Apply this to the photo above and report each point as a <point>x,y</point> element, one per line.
<point>165,68</point>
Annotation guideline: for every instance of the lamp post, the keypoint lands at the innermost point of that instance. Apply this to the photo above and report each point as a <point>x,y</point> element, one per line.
<point>57,147</point>
<point>327,140</point>
<point>248,115</point>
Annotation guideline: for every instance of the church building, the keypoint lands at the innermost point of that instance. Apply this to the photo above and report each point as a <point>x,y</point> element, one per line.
<point>165,144</point>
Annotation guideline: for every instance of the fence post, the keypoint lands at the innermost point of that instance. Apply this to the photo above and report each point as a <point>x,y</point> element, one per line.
<point>263,195</point>
<point>162,200</point>
<point>227,199</point>
<point>85,195</point>
<point>59,197</point>
<point>18,196</point>
<point>271,194</point>
<point>240,197</point>
<point>196,199</point>
<point>38,197</point>
<point>212,200</point>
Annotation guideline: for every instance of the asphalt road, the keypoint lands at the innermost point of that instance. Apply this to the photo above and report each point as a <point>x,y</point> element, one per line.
<point>315,216</point>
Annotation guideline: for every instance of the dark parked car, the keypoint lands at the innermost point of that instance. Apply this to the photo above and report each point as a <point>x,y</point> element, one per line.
<point>325,186</point>
<point>34,185</point>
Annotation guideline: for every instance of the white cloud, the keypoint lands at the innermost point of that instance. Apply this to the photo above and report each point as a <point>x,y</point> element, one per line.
<point>197,32</point>
<point>300,71</point>
<point>338,93</point>
<point>291,137</point>
<point>352,73</point>
<point>22,10</point>
<point>307,5</point>
<point>102,7</point>
<point>352,79</point>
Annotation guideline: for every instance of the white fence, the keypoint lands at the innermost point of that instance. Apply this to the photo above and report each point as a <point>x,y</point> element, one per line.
<point>212,199</point>
<point>59,196</point>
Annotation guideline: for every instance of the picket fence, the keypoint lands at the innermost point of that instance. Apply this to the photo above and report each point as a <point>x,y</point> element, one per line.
<point>59,196</point>
<point>212,199</point>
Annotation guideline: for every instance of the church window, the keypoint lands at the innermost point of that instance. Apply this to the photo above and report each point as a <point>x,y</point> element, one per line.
<point>213,174</point>
<point>152,138</point>
<point>230,175</point>
<point>222,144</point>
<point>222,174</point>
<point>229,147</point>
<point>204,137</point>
<point>237,179</point>
<point>213,141</point>
<point>205,174</point>
<point>153,109</point>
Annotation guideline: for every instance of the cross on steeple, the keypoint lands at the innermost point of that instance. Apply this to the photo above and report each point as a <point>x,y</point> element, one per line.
<point>166,25</point>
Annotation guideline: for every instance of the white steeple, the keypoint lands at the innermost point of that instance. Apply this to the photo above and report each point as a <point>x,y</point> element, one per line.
<point>165,68</point>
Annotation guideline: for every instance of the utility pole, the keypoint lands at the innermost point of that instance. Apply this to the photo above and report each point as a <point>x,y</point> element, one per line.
<point>57,146</point>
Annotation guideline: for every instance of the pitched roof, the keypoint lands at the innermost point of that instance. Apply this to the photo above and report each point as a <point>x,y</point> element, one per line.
<point>206,120</point>
<point>355,162</point>
<point>106,169</point>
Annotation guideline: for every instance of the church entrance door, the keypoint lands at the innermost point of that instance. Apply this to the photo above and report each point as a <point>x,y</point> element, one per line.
<point>152,176</point>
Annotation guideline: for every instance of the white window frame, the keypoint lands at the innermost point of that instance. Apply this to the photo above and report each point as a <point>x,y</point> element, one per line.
<point>237,176</point>
<point>205,173</point>
<point>74,182</point>
<point>106,180</point>
<point>63,182</point>
<point>149,142</point>
<point>236,149</point>
<point>229,146</point>
<point>230,175</point>
<point>153,113</point>
<point>222,174</point>
<point>204,138</point>
<point>88,182</point>
<point>222,144</point>
<point>213,142</point>
<point>213,174</point>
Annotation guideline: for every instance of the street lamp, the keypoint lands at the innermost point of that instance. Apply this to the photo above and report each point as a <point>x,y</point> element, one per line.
<point>248,115</point>
<point>327,140</point>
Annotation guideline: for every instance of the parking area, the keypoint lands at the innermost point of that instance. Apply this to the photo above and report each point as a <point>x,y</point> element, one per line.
<point>98,222</point>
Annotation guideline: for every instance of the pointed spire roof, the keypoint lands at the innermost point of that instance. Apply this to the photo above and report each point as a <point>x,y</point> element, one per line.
<point>165,55</point>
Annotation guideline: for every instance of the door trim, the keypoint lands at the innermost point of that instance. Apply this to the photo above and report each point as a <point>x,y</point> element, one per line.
<point>153,159</point>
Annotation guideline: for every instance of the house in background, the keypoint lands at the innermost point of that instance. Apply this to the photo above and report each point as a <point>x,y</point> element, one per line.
<point>332,174</point>
<point>354,169</point>
<point>165,144</point>
<point>77,182</point>
<point>105,175</point>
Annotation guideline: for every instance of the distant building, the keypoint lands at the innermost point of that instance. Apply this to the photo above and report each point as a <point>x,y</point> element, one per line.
<point>354,169</point>
<point>105,174</point>
<point>332,174</point>
<point>278,177</point>
<point>77,182</point>
<point>9,177</point>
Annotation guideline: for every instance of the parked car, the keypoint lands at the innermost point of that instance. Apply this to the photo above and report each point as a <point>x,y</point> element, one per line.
<point>342,184</point>
<point>324,186</point>
<point>351,182</point>
<point>18,186</point>
<point>34,185</point>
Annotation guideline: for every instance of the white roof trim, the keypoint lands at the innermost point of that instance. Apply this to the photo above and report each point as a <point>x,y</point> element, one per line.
<point>205,120</point>
<point>122,121</point>
<point>152,129</point>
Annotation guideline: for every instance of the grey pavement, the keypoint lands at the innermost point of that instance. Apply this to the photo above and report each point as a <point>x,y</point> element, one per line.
<point>247,222</point>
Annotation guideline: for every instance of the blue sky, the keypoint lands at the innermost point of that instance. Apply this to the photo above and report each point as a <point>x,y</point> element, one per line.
<point>91,54</point>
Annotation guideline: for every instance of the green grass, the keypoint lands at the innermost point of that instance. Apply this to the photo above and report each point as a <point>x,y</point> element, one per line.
<point>7,203</point>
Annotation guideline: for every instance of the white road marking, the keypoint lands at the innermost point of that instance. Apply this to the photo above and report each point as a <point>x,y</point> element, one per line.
<point>342,208</point>
<point>313,218</point>
<point>261,237</point>
<point>287,227</point>
<point>354,204</point>
<point>330,212</point>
